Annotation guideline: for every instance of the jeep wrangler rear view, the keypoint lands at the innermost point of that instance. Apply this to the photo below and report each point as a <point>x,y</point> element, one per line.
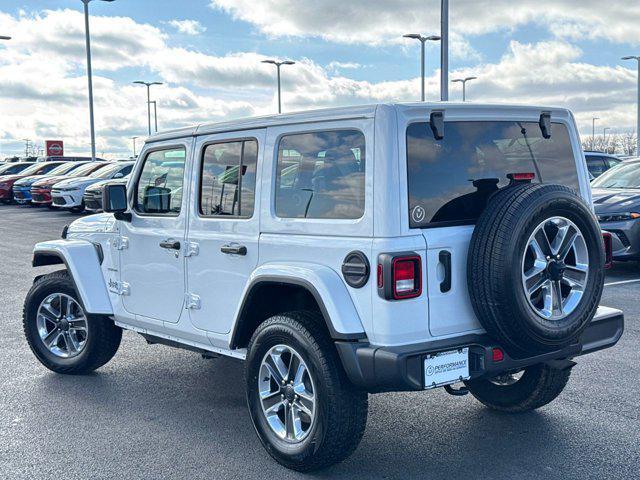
<point>340,253</point>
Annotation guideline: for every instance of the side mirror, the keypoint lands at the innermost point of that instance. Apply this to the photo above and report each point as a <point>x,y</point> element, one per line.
<point>114,198</point>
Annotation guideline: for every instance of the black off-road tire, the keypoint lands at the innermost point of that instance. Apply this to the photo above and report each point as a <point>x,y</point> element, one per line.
<point>494,268</point>
<point>538,386</point>
<point>103,337</point>
<point>341,414</point>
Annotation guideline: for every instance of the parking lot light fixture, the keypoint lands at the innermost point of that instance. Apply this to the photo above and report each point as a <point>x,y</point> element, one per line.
<point>89,76</point>
<point>637,59</point>
<point>148,85</point>
<point>278,64</point>
<point>4,37</point>
<point>464,85</point>
<point>423,40</point>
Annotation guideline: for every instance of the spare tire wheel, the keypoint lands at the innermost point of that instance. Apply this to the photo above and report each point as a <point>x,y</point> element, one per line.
<point>535,268</point>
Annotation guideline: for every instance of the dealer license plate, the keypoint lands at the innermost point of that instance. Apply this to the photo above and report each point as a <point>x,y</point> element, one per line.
<point>445,368</point>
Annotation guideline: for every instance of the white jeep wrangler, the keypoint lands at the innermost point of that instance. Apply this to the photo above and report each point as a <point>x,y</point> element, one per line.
<point>343,252</point>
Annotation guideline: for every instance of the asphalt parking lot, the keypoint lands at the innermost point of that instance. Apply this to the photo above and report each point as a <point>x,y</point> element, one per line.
<point>157,412</point>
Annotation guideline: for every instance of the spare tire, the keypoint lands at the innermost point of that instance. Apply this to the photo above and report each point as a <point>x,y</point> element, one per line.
<point>535,267</point>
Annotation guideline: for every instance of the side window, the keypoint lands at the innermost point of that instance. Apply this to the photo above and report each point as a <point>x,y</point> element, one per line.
<point>126,170</point>
<point>159,186</point>
<point>321,175</point>
<point>596,165</point>
<point>612,161</point>
<point>228,179</point>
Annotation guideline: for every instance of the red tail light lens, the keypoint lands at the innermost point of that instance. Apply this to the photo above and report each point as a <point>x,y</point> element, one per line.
<point>497,354</point>
<point>608,249</point>
<point>406,275</point>
<point>522,176</point>
<point>380,277</point>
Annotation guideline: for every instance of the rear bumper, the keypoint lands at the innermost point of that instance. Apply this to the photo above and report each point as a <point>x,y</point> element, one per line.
<point>383,369</point>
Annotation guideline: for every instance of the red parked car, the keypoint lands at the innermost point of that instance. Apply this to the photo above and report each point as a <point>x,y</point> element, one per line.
<point>41,189</point>
<point>7,181</point>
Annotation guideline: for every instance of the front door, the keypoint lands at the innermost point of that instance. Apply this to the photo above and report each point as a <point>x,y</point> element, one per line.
<point>151,258</point>
<point>223,228</point>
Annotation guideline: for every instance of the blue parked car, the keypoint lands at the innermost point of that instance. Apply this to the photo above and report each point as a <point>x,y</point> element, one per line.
<point>22,187</point>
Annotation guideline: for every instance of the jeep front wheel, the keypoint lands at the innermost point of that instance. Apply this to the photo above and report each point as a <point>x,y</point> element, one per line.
<point>305,411</point>
<point>61,334</point>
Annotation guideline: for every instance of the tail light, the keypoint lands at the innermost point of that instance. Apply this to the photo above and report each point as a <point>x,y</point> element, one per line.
<point>607,239</point>
<point>400,276</point>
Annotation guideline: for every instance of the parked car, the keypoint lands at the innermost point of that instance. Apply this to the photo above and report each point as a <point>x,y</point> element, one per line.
<point>56,158</point>
<point>616,199</point>
<point>69,193</point>
<point>22,187</point>
<point>598,162</point>
<point>11,159</point>
<point>13,168</point>
<point>93,195</point>
<point>7,181</point>
<point>41,189</point>
<point>340,252</point>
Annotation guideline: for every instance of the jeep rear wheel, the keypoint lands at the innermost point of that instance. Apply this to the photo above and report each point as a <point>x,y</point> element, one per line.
<point>60,333</point>
<point>520,391</point>
<point>305,412</point>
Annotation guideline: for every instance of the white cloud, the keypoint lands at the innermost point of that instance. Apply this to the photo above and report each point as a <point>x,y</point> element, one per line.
<point>44,88</point>
<point>188,27</point>
<point>384,21</point>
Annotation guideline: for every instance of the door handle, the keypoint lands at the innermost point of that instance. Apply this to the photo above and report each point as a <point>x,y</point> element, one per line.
<point>170,244</point>
<point>445,260</point>
<point>233,249</point>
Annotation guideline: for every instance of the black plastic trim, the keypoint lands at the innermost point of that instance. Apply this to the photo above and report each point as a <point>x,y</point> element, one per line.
<point>383,369</point>
<point>356,269</point>
<point>274,279</point>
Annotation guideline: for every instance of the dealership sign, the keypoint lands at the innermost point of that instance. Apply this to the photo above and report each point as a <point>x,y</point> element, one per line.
<point>55,148</point>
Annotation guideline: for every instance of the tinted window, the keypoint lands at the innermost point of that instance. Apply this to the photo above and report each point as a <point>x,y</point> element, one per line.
<point>596,165</point>
<point>159,187</point>
<point>321,175</point>
<point>13,169</point>
<point>450,180</point>
<point>224,191</point>
<point>612,161</point>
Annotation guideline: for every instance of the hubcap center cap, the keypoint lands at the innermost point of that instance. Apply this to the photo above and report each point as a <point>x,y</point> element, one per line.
<point>64,325</point>
<point>556,269</point>
<point>289,393</point>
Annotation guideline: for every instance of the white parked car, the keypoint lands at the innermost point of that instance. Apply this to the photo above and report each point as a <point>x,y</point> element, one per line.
<point>343,252</point>
<point>69,193</point>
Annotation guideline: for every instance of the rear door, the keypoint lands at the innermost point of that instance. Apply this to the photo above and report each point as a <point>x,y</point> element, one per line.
<point>450,182</point>
<point>223,227</point>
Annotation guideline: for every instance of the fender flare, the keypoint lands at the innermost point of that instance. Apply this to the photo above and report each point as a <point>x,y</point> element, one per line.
<point>82,259</point>
<point>324,284</point>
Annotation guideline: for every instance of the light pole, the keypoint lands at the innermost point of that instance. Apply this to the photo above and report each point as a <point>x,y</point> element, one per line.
<point>89,76</point>
<point>148,85</point>
<point>464,85</point>
<point>637,59</point>
<point>134,146</point>
<point>423,40</point>
<point>278,65</point>
<point>155,114</point>
<point>604,133</point>
<point>444,51</point>
<point>593,131</point>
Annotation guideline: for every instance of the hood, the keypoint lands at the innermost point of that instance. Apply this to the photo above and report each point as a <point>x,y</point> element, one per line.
<point>610,200</point>
<point>27,181</point>
<point>77,182</point>
<point>96,187</point>
<point>98,223</point>
<point>11,178</point>
<point>48,181</point>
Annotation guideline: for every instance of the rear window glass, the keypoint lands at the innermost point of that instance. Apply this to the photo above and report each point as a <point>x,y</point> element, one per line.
<point>450,180</point>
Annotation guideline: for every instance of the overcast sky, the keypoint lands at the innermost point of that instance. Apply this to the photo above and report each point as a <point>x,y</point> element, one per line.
<point>207,52</point>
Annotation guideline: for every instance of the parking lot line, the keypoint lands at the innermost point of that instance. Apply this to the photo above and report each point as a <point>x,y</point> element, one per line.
<point>621,282</point>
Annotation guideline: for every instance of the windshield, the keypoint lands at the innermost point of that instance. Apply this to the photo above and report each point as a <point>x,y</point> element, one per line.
<point>86,169</point>
<point>106,171</point>
<point>451,180</point>
<point>14,168</point>
<point>625,175</point>
<point>39,168</point>
<point>64,168</point>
